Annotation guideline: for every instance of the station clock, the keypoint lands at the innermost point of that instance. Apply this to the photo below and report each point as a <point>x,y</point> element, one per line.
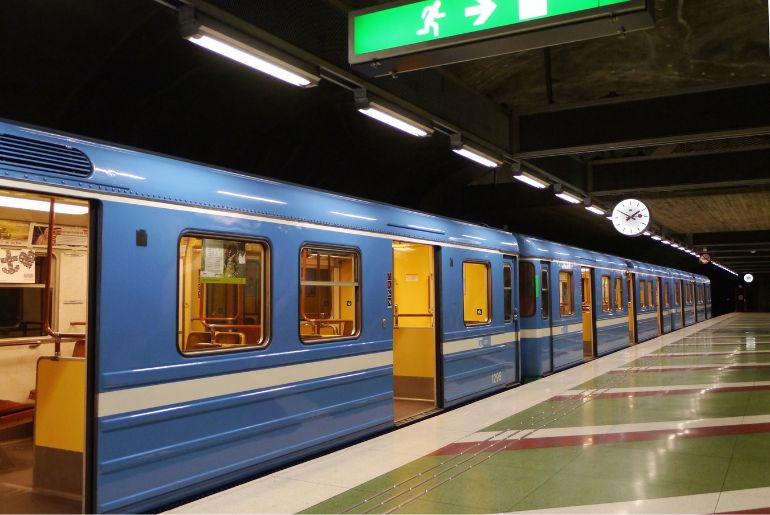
<point>631,217</point>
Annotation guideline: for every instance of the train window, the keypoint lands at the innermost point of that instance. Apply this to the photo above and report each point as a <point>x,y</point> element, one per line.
<point>642,293</point>
<point>330,294</point>
<point>508,292</point>
<point>223,294</point>
<point>566,294</point>
<point>678,293</point>
<point>688,294</point>
<point>650,296</point>
<point>527,288</point>
<point>619,293</point>
<point>606,294</point>
<point>666,295</point>
<point>545,294</point>
<point>476,293</point>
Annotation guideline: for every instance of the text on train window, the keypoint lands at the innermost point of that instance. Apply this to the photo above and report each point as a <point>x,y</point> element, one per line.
<point>566,294</point>
<point>330,294</point>
<point>527,288</point>
<point>619,293</point>
<point>476,293</point>
<point>606,294</point>
<point>223,293</point>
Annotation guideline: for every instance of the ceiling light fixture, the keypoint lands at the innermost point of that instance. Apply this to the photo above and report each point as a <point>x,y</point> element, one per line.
<point>213,36</point>
<point>468,152</point>
<point>377,111</point>
<point>42,205</point>
<point>594,209</point>
<point>527,178</point>
<point>559,191</point>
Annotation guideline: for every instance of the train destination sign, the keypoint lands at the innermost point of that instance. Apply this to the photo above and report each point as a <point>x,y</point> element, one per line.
<point>381,34</point>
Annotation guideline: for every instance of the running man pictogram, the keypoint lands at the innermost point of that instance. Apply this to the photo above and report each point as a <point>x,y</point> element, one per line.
<point>430,14</point>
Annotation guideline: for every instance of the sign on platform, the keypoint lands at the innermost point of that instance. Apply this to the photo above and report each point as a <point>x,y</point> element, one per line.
<point>400,28</point>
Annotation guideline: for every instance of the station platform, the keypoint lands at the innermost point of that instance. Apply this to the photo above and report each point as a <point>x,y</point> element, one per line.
<point>679,424</point>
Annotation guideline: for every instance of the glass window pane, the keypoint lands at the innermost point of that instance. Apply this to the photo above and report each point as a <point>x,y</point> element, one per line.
<point>566,294</point>
<point>527,288</point>
<point>618,293</point>
<point>476,293</point>
<point>642,293</point>
<point>606,294</point>
<point>545,294</point>
<point>222,290</point>
<point>329,304</point>
<point>508,292</point>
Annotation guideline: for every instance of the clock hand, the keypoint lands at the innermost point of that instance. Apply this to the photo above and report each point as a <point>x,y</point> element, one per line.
<point>629,218</point>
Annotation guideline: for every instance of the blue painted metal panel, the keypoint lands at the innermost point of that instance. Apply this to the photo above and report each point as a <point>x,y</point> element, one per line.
<point>473,373</point>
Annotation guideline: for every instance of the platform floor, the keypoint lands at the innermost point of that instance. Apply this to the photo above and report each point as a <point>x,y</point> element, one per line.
<point>680,424</point>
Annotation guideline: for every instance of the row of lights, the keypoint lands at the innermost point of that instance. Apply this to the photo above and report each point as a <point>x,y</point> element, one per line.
<point>254,54</point>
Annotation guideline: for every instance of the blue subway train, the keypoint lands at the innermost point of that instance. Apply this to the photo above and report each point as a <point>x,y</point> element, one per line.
<point>169,328</point>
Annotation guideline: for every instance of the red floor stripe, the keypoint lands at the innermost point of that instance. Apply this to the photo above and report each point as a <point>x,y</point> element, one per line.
<point>661,393</point>
<point>599,439</point>
<point>755,510</point>
<point>687,354</point>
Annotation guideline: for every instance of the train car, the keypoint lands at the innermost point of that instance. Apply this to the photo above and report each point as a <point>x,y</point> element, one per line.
<point>170,328</point>
<point>556,331</point>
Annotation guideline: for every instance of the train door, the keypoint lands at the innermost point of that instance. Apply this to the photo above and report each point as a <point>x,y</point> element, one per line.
<point>44,290</point>
<point>546,311</point>
<point>589,343</point>
<point>414,331</point>
<point>511,308</point>
<point>631,292</point>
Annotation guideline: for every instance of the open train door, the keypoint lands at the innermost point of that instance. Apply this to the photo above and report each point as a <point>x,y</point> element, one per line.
<point>415,352</point>
<point>45,284</point>
<point>589,314</point>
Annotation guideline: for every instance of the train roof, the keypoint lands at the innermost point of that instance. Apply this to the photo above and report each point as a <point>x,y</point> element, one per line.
<point>537,248</point>
<point>148,176</point>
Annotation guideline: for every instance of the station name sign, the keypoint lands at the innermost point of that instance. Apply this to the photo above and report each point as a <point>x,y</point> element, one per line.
<point>435,32</point>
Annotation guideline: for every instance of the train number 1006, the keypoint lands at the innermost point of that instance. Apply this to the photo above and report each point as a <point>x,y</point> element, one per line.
<point>497,377</point>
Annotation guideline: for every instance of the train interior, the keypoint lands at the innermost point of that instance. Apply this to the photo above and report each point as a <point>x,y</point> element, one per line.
<point>44,249</point>
<point>589,340</point>
<point>414,331</point>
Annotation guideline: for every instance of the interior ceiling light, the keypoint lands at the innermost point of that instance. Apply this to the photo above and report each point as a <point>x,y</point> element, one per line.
<point>42,205</point>
<point>212,36</point>
<point>527,178</point>
<point>389,116</point>
<point>468,152</point>
<point>558,190</point>
<point>647,233</point>
<point>657,237</point>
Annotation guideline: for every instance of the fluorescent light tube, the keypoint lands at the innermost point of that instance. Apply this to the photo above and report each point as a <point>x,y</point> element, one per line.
<point>478,157</point>
<point>657,238</point>
<point>396,120</point>
<point>531,180</point>
<point>42,205</point>
<point>203,35</point>
<point>596,210</point>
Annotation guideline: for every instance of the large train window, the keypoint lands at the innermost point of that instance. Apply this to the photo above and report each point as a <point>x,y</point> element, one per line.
<point>666,295</point>
<point>606,294</point>
<point>476,293</point>
<point>678,293</point>
<point>566,294</point>
<point>618,293</point>
<point>527,288</point>
<point>689,293</point>
<point>642,293</point>
<point>329,298</point>
<point>223,293</point>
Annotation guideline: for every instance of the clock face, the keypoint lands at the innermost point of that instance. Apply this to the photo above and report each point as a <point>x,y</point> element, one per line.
<point>631,217</point>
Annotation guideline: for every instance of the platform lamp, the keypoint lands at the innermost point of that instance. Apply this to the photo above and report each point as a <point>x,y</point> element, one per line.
<point>559,191</point>
<point>389,115</point>
<point>472,153</point>
<point>528,178</point>
<point>217,37</point>
<point>591,207</point>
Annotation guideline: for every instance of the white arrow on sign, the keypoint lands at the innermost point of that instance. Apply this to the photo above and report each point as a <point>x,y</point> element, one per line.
<point>483,10</point>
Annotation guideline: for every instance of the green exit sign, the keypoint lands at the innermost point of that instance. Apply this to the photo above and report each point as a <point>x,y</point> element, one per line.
<point>411,28</point>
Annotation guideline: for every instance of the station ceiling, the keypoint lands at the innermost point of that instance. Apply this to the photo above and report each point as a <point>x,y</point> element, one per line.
<point>677,116</point>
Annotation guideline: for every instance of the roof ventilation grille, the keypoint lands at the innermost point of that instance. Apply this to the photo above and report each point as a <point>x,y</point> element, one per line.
<point>29,155</point>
